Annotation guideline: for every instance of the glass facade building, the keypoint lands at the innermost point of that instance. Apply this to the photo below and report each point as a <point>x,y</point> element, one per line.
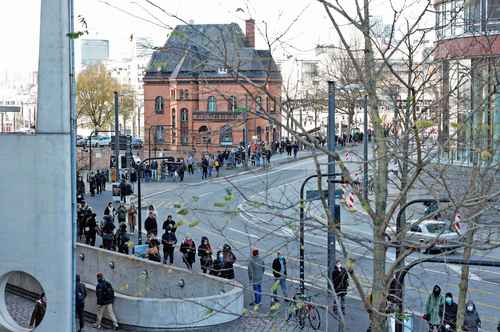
<point>468,54</point>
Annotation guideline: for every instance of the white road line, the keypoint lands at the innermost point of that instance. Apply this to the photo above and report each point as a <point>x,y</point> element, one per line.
<point>244,233</point>
<point>458,270</point>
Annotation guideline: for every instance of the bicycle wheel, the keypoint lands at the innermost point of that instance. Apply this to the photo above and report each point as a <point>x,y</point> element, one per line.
<point>301,318</point>
<point>314,318</point>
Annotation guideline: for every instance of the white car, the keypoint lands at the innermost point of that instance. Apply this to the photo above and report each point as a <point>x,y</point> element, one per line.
<point>430,235</point>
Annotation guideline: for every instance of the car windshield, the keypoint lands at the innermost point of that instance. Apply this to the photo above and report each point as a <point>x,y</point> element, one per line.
<point>437,228</point>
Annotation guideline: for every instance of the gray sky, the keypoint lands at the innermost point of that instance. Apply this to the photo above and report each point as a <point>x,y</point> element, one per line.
<point>19,23</point>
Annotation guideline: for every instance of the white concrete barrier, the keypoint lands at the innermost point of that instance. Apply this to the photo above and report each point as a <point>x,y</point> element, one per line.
<point>151,295</point>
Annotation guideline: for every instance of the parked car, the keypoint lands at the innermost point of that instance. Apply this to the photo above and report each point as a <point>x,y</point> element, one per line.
<point>104,141</point>
<point>136,143</point>
<point>430,235</point>
<point>81,141</point>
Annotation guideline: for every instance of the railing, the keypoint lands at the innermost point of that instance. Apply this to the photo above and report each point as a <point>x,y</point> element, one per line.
<point>216,116</point>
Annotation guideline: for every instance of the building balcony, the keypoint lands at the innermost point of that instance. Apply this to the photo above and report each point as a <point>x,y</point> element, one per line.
<point>215,116</point>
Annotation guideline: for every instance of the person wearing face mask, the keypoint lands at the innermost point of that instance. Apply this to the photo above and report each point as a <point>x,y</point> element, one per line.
<point>450,314</point>
<point>433,309</point>
<point>188,250</point>
<point>169,240</point>
<point>472,323</point>
<point>217,264</point>
<point>340,280</point>
<point>205,253</point>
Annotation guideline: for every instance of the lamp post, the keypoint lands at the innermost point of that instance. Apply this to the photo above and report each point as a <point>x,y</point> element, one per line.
<point>400,284</point>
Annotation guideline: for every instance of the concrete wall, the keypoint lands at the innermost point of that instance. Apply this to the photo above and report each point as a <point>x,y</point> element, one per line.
<point>148,294</point>
<point>35,185</point>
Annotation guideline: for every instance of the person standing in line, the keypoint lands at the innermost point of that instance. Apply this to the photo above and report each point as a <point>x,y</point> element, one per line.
<point>122,239</point>
<point>154,249</point>
<point>340,280</point>
<point>472,322</point>
<point>255,275</point>
<point>105,295</point>
<point>109,210</point>
<point>121,212</point>
<point>108,228</point>
<point>90,228</point>
<point>205,253</point>
<point>151,225</point>
<point>169,240</point>
<point>188,250</point>
<point>279,273</point>
<point>132,215</point>
<point>228,261</point>
<point>38,311</point>
<point>80,295</point>
<point>217,167</point>
<point>169,221</point>
<point>181,170</point>
<point>434,309</point>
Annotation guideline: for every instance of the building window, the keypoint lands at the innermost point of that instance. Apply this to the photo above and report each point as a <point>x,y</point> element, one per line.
<point>259,134</point>
<point>231,104</point>
<point>226,135</point>
<point>159,134</point>
<point>472,10</point>
<point>258,105</point>
<point>159,103</point>
<point>173,126</point>
<point>181,94</point>
<point>184,115</point>
<point>212,104</point>
<point>172,94</point>
<point>186,94</point>
<point>184,126</point>
<point>204,135</point>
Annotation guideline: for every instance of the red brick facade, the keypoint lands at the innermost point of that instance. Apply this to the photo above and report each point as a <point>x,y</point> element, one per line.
<point>186,117</point>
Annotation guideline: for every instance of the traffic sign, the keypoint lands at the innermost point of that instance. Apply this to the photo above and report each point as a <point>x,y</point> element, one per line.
<point>314,195</point>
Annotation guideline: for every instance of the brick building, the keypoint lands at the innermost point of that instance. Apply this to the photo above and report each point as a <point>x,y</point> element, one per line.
<point>208,88</point>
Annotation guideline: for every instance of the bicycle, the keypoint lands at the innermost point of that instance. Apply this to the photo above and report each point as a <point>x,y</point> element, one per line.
<point>300,308</point>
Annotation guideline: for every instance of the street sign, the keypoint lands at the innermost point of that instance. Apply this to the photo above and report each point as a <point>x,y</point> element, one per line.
<point>314,195</point>
<point>4,109</point>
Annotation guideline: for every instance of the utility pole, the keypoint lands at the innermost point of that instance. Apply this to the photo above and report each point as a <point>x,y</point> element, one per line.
<point>117,135</point>
<point>365,149</point>
<point>331,185</point>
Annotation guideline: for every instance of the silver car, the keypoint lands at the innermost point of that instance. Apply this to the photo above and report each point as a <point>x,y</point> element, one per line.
<point>438,235</point>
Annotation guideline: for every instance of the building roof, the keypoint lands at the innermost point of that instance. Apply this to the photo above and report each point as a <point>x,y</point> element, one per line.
<point>210,51</point>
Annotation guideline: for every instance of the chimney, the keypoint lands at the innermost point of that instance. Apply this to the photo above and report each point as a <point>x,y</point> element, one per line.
<point>250,32</point>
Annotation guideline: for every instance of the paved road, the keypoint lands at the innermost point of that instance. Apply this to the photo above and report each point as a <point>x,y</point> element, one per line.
<point>263,213</point>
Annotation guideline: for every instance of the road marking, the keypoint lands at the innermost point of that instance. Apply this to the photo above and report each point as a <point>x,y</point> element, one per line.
<point>244,233</point>
<point>458,270</point>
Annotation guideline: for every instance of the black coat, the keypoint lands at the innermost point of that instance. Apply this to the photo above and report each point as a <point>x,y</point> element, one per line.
<point>227,270</point>
<point>340,279</point>
<point>104,293</point>
<point>189,251</point>
<point>168,239</point>
<point>151,226</point>
<point>277,268</point>
<point>450,314</point>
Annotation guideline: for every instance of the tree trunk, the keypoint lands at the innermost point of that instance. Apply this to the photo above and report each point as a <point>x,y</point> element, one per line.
<point>463,286</point>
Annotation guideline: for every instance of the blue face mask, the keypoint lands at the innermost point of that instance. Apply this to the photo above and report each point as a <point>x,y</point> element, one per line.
<point>448,300</point>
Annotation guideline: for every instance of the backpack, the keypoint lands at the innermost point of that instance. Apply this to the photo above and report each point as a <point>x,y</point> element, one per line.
<point>108,292</point>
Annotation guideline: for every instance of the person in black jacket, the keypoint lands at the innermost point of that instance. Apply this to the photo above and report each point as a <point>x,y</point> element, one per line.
<point>80,295</point>
<point>109,210</point>
<point>151,225</point>
<point>167,222</point>
<point>205,253</point>
<point>105,297</point>
<point>450,310</point>
<point>279,273</point>
<point>217,264</point>
<point>188,250</point>
<point>228,261</point>
<point>90,229</point>
<point>340,280</point>
<point>108,228</point>
<point>122,239</point>
<point>169,240</point>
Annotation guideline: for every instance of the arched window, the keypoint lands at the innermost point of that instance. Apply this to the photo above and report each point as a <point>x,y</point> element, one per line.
<point>159,103</point>
<point>231,104</point>
<point>204,135</point>
<point>226,135</point>
<point>212,104</point>
<point>184,126</point>
<point>258,105</point>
